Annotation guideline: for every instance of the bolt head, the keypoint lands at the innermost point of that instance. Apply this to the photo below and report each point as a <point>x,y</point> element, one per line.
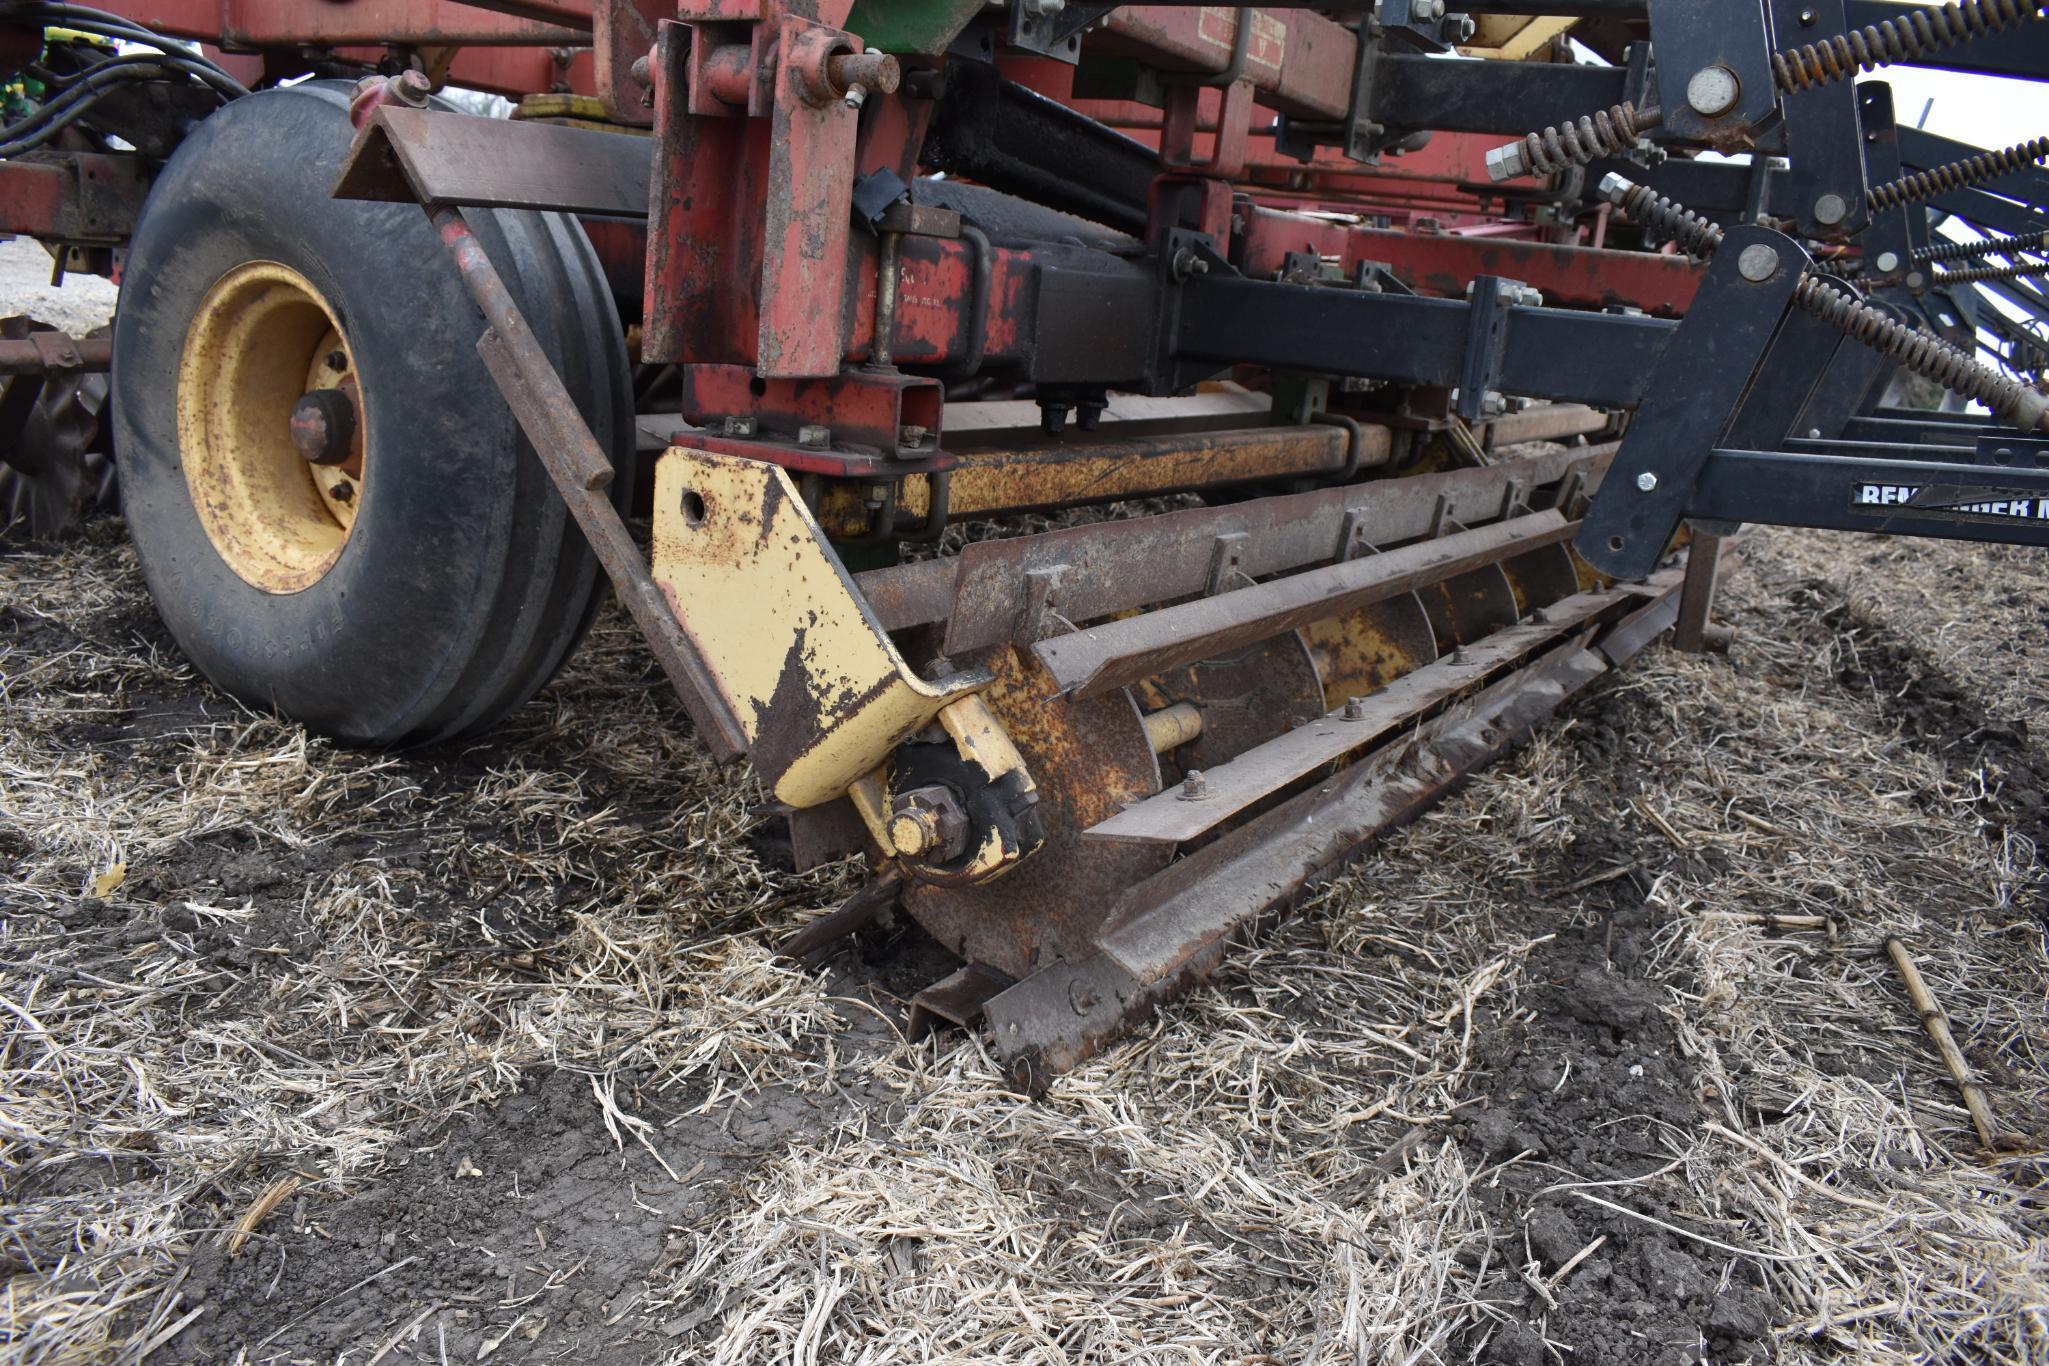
<point>1647,482</point>
<point>1830,209</point>
<point>1713,91</point>
<point>813,437</point>
<point>739,426</point>
<point>1758,262</point>
<point>1887,262</point>
<point>412,87</point>
<point>911,436</point>
<point>1506,162</point>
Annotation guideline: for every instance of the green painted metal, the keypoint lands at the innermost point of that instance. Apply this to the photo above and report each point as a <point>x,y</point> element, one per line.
<point>923,27</point>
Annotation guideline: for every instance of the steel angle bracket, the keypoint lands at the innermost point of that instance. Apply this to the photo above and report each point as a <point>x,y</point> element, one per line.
<point>1701,382</point>
<point>820,692</point>
<point>437,157</point>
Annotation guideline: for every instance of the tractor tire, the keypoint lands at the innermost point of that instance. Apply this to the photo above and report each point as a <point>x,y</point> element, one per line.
<point>421,577</point>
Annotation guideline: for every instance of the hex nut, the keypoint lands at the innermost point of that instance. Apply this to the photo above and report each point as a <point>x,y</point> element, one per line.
<point>1647,482</point>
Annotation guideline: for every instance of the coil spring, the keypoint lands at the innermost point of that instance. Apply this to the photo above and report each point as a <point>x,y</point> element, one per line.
<point>1972,274</point>
<point>1695,235</point>
<point>1918,31</point>
<point>1955,175</point>
<point>1608,133</point>
<point>1991,246</point>
<point>1927,356</point>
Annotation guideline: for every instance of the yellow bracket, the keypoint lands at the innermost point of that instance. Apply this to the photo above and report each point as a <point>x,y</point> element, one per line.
<point>820,691</point>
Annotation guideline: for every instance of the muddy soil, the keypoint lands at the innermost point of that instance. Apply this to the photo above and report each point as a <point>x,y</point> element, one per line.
<point>560,1218</point>
<point>1581,1102</point>
<point>531,1228</point>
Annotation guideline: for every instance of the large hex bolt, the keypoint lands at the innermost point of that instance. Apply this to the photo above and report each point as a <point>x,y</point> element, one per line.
<point>323,426</point>
<point>927,823</point>
<point>408,88</point>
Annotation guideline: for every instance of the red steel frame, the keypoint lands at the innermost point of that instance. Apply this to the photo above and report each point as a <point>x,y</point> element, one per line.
<point>754,279</point>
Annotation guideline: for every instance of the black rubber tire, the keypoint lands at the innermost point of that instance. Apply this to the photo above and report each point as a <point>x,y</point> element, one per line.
<point>465,583</point>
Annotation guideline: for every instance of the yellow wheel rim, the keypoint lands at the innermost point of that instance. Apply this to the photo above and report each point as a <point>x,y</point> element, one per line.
<point>263,338</point>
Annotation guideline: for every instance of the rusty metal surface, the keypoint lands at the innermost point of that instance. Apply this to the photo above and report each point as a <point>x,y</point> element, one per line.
<point>1245,698</point>
<point>1469,607</point>
<point>78,197</point>
<point>1697,596</point>
<point>956,999</point>
<point>54,353</point>
<point>1121,652</point>
<point>250,24</point>
<point>1659,615</point>
<point>823,834</point>
<point>1542,422</point>
<point>807,210</point>
<point>1115,566</point>
<point>572,457</point>
<point>1087,760</point>
<point>1060,1017</point>
<point>1363,650</point>
<point>1297,60</point>
<point>622,33</point>
<point>860,909</point>
<point>1196,902</point>
<point>437,158</point>
<point>1542,576</point>
<point>1345,731</point>
<point>1043,473</point>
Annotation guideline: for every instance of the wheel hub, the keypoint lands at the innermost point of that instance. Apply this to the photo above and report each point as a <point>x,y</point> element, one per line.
<point>270,427</point>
